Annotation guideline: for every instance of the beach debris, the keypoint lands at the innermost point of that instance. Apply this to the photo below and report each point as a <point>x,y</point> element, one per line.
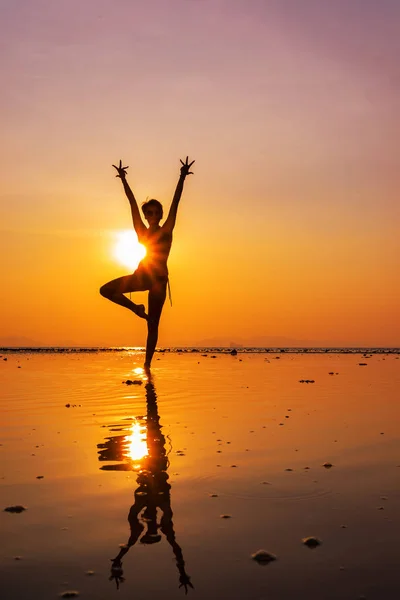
<point>265,483</point>
<point>89,573</point>
<point>17,557</point>
<point>233,466</point>
<point>234,352</point>
<point>343,526</point>
<point>306,380</point>
<point>39,476</point>
<point>362,364</point>
<point>262,557</point>
<point>213,495</point>
<point>311,542</point>
<point>18,508</point>
<point>327,465</point>
<point>381,508</point>
<point>288,469</point>
<point>225,516</point>
<point>133,382</point>
<point>69,594</point>
<point>5,359</point>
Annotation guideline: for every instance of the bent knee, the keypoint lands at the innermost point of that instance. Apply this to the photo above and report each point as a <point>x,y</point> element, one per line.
<point>106,290</point>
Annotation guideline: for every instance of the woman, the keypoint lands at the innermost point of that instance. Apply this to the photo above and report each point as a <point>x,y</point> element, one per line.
<point>152,272</point>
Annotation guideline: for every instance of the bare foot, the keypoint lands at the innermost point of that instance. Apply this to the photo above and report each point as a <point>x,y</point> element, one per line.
<point>140,311</point>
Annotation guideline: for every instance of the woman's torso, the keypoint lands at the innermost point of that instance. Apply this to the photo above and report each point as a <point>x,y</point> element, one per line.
<point>158,246</point>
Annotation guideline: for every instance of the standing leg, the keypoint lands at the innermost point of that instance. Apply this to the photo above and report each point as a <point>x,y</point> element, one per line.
<point>114,290</point>
<point>157,296</point>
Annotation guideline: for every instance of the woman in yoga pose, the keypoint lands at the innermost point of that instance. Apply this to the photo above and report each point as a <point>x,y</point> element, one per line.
<point>152,272</point>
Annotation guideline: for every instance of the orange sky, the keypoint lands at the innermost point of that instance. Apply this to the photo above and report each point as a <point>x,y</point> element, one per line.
<point>289,227</point>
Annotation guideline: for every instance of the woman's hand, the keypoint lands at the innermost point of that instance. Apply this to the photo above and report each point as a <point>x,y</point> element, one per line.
<point>122,170</point>
<point>185,168</point>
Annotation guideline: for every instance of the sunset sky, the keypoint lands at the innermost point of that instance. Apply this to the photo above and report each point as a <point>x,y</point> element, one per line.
<point>289,228</point>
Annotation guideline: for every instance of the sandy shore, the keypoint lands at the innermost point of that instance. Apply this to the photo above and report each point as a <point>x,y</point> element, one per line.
<point>144,473</point>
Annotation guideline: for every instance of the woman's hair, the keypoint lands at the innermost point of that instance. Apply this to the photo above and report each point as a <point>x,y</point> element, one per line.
<point>154,203</point>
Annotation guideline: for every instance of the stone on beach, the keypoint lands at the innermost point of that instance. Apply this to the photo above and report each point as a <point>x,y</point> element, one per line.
<point>262,557</point>
<point>311,542</point>
<point>18,508</point>
<point>327,465</point>
<point>69,594</point>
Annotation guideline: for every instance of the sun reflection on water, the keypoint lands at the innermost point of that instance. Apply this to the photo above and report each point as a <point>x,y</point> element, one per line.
<point>136,442</point>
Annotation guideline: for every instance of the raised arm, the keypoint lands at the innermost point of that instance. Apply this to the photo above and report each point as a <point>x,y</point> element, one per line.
<point>185,171</point>
<point>138,224</point>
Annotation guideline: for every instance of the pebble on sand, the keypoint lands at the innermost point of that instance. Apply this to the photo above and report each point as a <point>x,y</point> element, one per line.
<point>133,382</point>
<point>89,573</point>
<point>213,495</point>
<point>327,465</point>
<point>263,557</point>
<point>18,508</point>
<point>311,542</point>
<point>69,594</point>
<point>225,516</point>
<point>362,364</point>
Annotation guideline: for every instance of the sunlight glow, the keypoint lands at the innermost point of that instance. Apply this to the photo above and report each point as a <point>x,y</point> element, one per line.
<point>127,249</point>
<point>137,447</point>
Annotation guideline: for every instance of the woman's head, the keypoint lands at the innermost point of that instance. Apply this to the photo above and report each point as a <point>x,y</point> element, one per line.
<point>153,211</point>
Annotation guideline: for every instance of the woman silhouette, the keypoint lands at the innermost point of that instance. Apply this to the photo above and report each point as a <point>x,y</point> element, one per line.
<point>152,272</point>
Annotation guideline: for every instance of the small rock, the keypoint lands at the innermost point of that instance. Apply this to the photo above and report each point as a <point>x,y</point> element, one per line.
<point>327,465</point>
<point>362,364</point>
<point>233,352</point>
<point>311,542</point>
<point>263,557</point>
<point>225,516</point>
<point>89,573</point>
<point>213,495</point>
<point>18,508</point>
<point>40,477</point>
<point>69,594</point>
<point>133,382</point>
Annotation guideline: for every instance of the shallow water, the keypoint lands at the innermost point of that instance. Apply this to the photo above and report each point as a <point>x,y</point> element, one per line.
<point>207,437</point>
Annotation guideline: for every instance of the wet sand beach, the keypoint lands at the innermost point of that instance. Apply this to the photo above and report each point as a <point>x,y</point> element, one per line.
<point>143,490</point>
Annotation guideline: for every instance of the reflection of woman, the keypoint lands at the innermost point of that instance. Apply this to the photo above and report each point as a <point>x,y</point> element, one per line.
<point>152,493</point>
<point>152,272</point>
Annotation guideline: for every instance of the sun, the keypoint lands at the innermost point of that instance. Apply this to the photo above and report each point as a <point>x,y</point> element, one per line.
<point>127,249</point>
